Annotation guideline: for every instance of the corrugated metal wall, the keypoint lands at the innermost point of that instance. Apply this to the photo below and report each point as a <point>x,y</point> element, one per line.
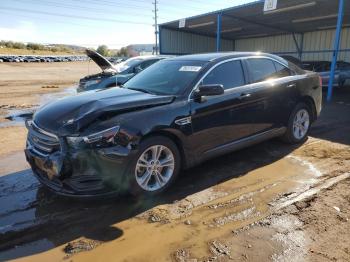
<point>269,44</point>
<point>323,41</point>
<point>317,45</point>
<point>176,42</point>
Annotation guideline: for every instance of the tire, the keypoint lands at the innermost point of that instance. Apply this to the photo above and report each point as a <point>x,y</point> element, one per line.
<point>159,178</point>
<point>292,136</point>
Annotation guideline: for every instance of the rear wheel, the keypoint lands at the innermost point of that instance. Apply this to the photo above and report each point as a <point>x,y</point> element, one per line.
<point>155,167</point>
<point>298,125</point>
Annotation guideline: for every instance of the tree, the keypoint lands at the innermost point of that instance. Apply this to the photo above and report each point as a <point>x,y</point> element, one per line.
<point>18,45</point>
<point>123,52</point>
<point>34,46</point>
<point>102,50</point>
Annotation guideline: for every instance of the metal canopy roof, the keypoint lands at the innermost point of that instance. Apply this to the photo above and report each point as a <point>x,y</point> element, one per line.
<point>249,20</point>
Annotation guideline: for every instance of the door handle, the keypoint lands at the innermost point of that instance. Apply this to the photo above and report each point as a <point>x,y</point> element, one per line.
<point>244,96</point>
<point>292,85</point>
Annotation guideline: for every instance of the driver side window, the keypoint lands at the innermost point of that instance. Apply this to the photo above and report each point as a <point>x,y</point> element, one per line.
<point>229,74</point>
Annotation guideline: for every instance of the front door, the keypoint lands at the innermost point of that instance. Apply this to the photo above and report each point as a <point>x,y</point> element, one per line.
<point>219,120</point>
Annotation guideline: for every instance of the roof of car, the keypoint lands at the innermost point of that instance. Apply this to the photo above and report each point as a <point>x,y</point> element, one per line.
<point>209,57</point>
<point>147,57</point>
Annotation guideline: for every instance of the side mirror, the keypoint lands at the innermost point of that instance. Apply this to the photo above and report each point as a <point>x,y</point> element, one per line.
<point>209,90</point>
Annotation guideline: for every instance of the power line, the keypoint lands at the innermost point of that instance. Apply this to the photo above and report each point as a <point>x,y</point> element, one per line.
<point>170,8</point>
<point>76,16</point>
<point>80,8</point>
<point>43,19</point>
<point>114,4</point>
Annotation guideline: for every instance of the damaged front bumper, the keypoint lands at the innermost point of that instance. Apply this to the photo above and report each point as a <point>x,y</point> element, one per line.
<point>82,173</point>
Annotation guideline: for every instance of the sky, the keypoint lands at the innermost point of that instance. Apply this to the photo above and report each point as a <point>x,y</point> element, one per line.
<point>89,23</point>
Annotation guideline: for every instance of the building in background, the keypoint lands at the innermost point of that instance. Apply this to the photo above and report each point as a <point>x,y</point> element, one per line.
<point>301,28</point>
<point>140,49</point>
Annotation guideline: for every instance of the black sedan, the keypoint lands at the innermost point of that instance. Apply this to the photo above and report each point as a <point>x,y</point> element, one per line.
<point>175,114</point>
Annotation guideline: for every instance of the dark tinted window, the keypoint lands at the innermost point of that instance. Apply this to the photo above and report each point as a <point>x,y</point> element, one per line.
<point>229,74</point>
<point>261,69</point>
<point>282,71</point>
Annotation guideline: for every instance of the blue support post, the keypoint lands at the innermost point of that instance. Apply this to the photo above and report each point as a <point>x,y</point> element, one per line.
<point>218,32</point>
<point>336,49</point>
<point>301,47</point>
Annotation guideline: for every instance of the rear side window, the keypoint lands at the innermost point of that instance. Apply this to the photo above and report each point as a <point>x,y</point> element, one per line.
<point>229,74</point>
<point>261,69</point>
<point>281,70</point>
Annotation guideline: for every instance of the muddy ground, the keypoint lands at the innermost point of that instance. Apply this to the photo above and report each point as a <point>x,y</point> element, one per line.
<point>26,86</point>
<point>270,202</point>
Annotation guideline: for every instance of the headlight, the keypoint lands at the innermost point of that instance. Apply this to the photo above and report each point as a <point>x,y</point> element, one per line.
<point>92,82</point>
<point>101,138</point>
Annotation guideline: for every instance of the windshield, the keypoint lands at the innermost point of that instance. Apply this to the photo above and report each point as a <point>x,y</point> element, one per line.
<point>169,77</point>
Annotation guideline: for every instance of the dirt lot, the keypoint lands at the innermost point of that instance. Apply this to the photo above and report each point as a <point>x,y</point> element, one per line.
<point>270,202</point>
<point>25,86</point>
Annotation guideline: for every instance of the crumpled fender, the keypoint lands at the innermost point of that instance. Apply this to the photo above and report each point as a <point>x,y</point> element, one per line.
<point>90,112</point>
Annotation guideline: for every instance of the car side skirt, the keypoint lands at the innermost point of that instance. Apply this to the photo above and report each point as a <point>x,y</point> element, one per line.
<point>243,143</point>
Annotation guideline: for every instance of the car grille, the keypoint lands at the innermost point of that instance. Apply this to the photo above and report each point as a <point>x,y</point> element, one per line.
<point>43,141</point>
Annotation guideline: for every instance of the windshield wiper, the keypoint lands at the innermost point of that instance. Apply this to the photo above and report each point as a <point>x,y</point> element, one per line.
<point>141,90</point>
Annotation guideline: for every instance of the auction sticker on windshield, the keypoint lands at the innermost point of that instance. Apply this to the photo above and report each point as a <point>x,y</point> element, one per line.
<point>190,68</point>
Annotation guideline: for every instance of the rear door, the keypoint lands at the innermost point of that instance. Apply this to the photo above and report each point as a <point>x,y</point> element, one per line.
<point>275,87</point>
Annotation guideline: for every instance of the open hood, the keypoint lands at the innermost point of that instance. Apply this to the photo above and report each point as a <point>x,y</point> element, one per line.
<point>101,61</point>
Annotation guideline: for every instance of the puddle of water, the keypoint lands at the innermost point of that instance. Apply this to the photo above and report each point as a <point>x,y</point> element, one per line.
<point>18,116</point>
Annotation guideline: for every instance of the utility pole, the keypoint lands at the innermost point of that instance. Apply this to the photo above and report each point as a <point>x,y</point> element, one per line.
<point>155,3</point>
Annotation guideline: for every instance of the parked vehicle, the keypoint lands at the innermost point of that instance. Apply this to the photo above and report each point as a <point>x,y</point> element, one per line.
<point>175,114</point>
<point>5,58</point>
<point>342,72</point>
<point>27,58</point>
<point>114,75</point>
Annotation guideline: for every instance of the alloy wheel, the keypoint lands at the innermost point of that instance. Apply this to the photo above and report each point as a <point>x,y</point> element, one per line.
<point>301,124</point>
<point>155,167</point>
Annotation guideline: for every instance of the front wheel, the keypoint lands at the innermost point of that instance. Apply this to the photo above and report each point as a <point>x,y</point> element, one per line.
<point>155,167</point>
<point>298,125</point>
